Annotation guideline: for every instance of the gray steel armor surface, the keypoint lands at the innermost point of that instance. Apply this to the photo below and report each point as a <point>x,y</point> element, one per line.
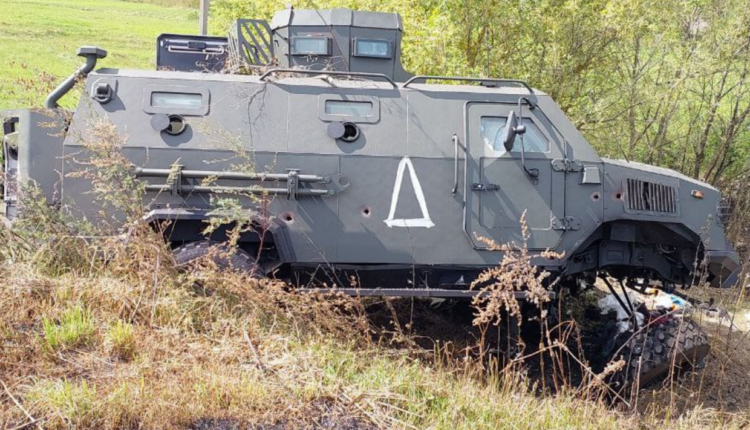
<point>370,173</point>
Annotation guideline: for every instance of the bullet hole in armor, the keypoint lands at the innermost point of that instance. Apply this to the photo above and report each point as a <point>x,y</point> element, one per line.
<point>366,212</point>
<point>618,196</point>
<point>595,196</point>
<point>351,132</point>
<point>287,216</point>
<point>176,125</point>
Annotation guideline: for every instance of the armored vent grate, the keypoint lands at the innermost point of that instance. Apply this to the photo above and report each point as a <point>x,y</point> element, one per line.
<point>724,210</point>
<point>651,197</point>
<point>250,44</point>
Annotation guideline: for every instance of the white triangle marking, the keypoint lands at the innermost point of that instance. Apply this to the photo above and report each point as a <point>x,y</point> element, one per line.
<point>425,221</point>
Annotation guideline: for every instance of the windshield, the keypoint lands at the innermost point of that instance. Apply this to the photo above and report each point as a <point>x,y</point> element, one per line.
<point>492,131</point>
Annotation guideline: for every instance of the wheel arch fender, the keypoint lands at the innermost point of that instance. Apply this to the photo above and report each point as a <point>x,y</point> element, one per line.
<point>620,242</point>
<point>193,221</point>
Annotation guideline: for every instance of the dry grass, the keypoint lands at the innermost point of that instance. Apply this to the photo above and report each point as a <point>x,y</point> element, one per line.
<point>232,349</point>
<point>142,346</point>
<point>108,334</point>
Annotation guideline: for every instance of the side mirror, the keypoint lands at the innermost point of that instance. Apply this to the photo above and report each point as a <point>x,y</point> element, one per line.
<point>511,130</point>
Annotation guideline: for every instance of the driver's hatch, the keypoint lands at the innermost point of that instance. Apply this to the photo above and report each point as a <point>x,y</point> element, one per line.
<point>498,188</point>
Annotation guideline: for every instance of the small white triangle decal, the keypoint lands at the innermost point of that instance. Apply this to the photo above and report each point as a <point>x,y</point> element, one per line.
<point>425,221</point>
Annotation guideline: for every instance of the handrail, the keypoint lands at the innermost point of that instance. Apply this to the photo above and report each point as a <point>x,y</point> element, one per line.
<point>188,189</point>
<point>330,72</point>
<point>141,172</point>
<point>175,186</point>
<point>464,79</point>
<point>455,166</point>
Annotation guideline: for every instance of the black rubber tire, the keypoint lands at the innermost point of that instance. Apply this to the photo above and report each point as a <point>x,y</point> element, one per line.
<point>679,342</point>
<point>220,254</point>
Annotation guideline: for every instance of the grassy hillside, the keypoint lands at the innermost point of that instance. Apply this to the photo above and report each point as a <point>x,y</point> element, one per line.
<point>39,38</point>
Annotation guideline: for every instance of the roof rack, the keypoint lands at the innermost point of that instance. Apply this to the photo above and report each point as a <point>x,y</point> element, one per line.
<point>390,81</point>
<point>456,78</point>
<point>330,72</point>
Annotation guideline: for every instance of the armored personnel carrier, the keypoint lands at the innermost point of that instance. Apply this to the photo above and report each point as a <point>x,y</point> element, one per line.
<point>361,169</point>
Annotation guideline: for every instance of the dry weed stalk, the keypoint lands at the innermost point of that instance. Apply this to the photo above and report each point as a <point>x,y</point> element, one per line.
<point>103,163</point>
<point>498,285</point>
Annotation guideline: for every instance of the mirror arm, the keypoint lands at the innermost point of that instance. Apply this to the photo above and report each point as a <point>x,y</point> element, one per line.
<point>534,173</point>
<point>531,104</point>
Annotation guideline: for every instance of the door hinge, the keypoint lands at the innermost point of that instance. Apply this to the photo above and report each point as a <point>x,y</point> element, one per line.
<point>567,223</point>
<point>566,165</point>
<point>292,184</point>
<point>174,180</point>
<point>484,187</point>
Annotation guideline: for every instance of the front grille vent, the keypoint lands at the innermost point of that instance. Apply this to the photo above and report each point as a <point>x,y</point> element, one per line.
<point>651,197</point>
<point>724,210</point>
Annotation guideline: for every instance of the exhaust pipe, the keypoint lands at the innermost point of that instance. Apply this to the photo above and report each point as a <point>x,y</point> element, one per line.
<point>92,54</point>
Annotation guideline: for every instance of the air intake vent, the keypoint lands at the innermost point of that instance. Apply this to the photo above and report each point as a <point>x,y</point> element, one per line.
<point>651,197</point>
<point>724,210</point>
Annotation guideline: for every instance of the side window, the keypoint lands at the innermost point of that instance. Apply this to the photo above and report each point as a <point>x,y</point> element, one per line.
<point>166,100</point>
<point>176,100</point>
<point>492,131</point>
<point>311,45</point>
<point>373,48</point>
<point>348,108</point>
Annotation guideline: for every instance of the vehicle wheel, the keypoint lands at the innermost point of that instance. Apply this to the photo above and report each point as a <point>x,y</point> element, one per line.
<point>220,254</point>
<point>679,342</point>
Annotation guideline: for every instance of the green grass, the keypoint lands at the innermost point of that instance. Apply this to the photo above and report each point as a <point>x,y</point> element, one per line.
<point>41,37</point>
<point>74,402</point>
<point>121,339</point>
<point>169,3</point>
<point>75,328</point>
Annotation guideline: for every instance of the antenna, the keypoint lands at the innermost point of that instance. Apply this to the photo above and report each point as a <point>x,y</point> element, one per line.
<point>487,47</point>
<point>203,17</point>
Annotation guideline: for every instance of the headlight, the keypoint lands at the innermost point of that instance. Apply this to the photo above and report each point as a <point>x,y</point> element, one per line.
<point>9,179</point>
<point>10,141</point>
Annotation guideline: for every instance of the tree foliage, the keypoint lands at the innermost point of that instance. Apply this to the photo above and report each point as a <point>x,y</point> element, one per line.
<point>664,82</point>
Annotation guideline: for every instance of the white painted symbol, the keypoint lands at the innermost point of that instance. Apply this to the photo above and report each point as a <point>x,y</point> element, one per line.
<point>425,221</point>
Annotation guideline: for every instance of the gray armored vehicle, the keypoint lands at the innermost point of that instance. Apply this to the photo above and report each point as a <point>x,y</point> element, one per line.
<point>362,170</point>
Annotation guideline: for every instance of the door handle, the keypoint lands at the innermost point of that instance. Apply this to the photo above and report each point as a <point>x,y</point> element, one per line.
<point>485,187</point>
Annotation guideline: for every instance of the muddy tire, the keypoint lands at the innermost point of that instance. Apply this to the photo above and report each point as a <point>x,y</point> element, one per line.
<point>222,255</point>
<point>678,344</point>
